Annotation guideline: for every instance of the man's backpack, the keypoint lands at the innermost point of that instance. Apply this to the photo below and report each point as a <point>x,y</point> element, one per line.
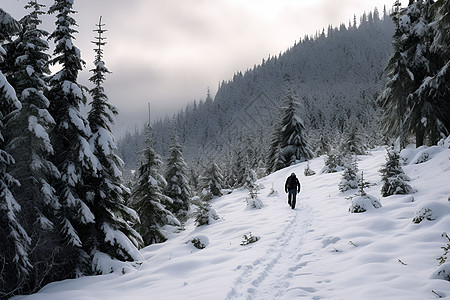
<point>291,183</point>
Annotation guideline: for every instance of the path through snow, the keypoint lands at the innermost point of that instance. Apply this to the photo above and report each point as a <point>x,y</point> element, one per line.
<point>267,277</point>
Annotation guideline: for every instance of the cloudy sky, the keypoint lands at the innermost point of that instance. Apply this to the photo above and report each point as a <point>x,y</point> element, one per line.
<point>169,52</point>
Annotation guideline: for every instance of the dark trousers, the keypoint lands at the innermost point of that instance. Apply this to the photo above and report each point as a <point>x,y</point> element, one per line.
<point>292,195</point>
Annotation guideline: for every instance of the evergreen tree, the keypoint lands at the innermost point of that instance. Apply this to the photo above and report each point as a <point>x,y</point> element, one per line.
<point>250,179</point>
<point>352,142</point>
<point>15,244</point>
<point>393,177</point>
<point>238,167</point>
<point>205,214</point>
<point>177,188</point>
<point>250,183</point>
<point>293,144</point>
<point>308,171</point>
<point>251,153</point>
<point>212,180</point>
<point>29,144</point>
<point>275,160</point>
<point>111,233</point>
<point>362,202</point>
<point>323,145</point>
<point>9,28</point>
<point>72,153</point>
<point>350,177</point>
<point>415,98</point>
<point>393,99</point>
<point>148,199</point>
<point>333,163</point>
<point>194,180</point>
<point>229,171</point>
<point>362,184</point>
<point>435,88</point>
<point>423,118</point>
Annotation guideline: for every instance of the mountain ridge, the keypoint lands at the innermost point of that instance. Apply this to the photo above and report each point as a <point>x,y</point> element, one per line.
<point>336,77</point>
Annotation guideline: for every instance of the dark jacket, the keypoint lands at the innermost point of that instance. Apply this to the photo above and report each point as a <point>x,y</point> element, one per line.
<point>292,183</point>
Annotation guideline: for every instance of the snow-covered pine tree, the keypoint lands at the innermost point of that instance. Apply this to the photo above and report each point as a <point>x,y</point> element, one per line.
<point>393,98</point>
<point>293,143</point>
<point>423,117</point>
<point>362,202</point>
<point>251,152</point>
<point>205,214</point>
<point>393,177</point>
<point>250,183</point>
<point>362,184</point>
<point>212,179</point>
<point>275,159</point>
<point>350,176</point>
<point>352,142</point>
<point>111,234</point>
<point>333,163</point>
<point>250,179</point>
<point>72,153</point>
<point>194,181</point>
<point>323,146</point>
<point>15,245</point>
<point>435,87</point>
<point>229,171</point>
<point>147,197</point>
<point>238,167</point>
<point>10,28</point>
<point>177,188</point>
<point>29,144</point>
<point>308,171</point>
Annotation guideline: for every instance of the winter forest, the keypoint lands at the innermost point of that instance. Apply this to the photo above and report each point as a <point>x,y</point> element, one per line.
<point>74,202</point>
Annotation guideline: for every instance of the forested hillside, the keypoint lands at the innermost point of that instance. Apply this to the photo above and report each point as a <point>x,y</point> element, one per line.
<point>335,75</point>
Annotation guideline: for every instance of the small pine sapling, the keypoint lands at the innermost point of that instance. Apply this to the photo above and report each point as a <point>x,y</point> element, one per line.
<point>393,176</point>
<point>363,201</point>
<point>422,214</point>
<point>443,271</point>
<point>272,192</point>
<point>350,177</point>
<point>363,184</point>
<point>424,157</point>
<point>333,163</point>
<point>308,171</point>
<point>197,243</point>
<point>249,239</point>
<point>444,257</point>
<point>253,201</point>
<point>250,180</point>
<point>205,214</point>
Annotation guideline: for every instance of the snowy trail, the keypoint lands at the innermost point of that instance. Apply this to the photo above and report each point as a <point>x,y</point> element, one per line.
<point>268,277</point>
<point>318,251</point>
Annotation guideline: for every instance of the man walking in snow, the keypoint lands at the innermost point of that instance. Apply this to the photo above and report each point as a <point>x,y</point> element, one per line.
<point>292,187</point>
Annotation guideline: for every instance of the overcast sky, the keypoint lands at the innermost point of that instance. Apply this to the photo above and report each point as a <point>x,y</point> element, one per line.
<point>169,51</point>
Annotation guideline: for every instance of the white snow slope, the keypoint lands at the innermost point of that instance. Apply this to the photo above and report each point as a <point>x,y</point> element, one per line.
<point>317,251</point>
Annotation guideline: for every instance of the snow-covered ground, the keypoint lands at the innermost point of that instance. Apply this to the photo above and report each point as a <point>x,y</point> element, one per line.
<point>317,251</point>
